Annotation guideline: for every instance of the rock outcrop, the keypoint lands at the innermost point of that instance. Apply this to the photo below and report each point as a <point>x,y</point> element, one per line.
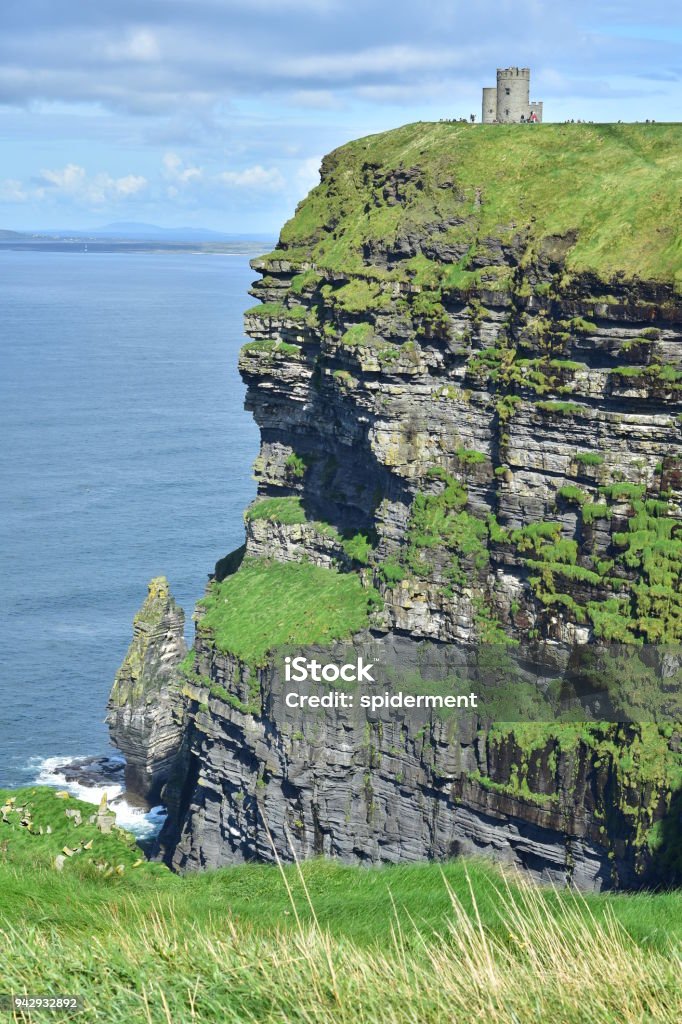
<point>144,715</point>
<point>470,401</point>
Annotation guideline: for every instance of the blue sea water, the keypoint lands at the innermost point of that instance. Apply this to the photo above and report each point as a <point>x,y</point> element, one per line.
<point>125,453</point>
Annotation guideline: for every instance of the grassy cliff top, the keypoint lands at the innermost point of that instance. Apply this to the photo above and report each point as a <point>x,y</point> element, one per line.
<point>267,605</point>
<point>613,191</point>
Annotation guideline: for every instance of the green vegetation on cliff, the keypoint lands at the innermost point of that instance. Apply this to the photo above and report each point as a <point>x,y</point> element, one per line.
<point>440,521</point>
<point>611,192</point>
<point>288,511</point>
<point>356,544</point>
<point>502,251</point>
<point>266,605</point>
<point>473,293</point>
<point>636,769</point>
<point>637,585</point>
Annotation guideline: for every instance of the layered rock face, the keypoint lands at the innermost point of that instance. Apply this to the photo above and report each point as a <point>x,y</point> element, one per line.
<point>143,714</point>
<point>468,381</point>
<point>569,803</point>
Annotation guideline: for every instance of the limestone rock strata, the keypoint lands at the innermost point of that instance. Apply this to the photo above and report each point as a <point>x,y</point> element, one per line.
<point>533,424</point>
<point>389,789</point>
<point>472,400</point>
<point>143,714</point>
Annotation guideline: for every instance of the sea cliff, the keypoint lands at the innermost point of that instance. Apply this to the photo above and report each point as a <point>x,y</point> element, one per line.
<point>466,366</point>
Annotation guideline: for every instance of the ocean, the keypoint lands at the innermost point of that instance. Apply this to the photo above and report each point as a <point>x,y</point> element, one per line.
<point>126,454</point>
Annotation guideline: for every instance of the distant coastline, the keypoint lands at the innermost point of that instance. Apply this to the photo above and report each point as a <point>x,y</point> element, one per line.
<point>134,236</point>
<point>109,245</point>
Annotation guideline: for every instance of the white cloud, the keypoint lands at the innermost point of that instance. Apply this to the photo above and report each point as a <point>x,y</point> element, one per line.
<point>187,181</point>
<point>69,179</point>
<point>74,182</point>
<point>12,191</point>
<point>308,174</point>
<point>128,186</point>
<point>316,99</point>
<point>374,60</point>
<point>140,45</point>
<point>174,170</point>
<point>257,178</point>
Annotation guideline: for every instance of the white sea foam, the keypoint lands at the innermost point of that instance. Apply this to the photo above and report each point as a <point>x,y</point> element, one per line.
<point>143,824</point>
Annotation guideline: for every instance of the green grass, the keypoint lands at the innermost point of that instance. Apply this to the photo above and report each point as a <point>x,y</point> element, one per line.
<point>589,458</point>
<point>358,545</point>
<point>560,408</point>
<point>358,296</point>
<point>440,522</point>
<point>623,491</point>
<point>296,465</point>
<point>645,559</point>
<point>470,456</point>
<point>643,565</point>
<point>662,374</point>
<point>266,605</point>
<point>272,347</point>
<point>613,185</point>
<point>326,943</point>
<point>358,335</point>
<point>571,493</point>
<point>595,510</point>
<point>43,808</point>
<point>277,311</point>
<point>288,511</point>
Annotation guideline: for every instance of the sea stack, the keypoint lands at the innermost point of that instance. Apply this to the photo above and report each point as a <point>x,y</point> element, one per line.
<point>140,709</point>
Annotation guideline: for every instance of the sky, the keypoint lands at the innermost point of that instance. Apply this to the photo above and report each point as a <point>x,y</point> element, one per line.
<point>216,113</point>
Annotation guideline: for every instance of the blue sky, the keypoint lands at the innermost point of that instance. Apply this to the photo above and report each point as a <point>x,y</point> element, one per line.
<point>216,113</point>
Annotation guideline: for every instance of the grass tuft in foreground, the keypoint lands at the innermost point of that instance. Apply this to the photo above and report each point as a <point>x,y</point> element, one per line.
<point>323,944</point>
<point>542,963</point>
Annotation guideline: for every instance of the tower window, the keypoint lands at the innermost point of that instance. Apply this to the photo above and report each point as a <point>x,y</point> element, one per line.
<point>507,91</point>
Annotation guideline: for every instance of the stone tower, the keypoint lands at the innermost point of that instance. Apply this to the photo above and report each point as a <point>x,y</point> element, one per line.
<point>513,94</point>
<point>489,105</point>
<point>509,101</point>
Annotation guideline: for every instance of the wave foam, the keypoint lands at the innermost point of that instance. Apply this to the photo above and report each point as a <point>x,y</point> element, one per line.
<point>143,824</point>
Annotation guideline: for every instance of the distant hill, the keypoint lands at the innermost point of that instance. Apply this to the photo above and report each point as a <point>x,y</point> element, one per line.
<point>135,231</point>
<point>152,232</point>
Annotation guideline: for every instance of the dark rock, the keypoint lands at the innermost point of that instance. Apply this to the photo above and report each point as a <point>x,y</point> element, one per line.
<point>142,712</point>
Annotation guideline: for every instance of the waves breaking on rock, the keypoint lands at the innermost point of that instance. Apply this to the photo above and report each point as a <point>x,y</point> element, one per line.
<point>90,778</point>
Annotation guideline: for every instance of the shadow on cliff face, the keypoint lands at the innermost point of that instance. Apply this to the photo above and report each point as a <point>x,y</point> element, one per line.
<point>347,485</point>
<point>666,861</point>
<point>229,564</point>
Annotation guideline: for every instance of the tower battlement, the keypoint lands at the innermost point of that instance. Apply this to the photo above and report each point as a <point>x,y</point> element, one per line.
<point>503,73</point>
<point>508,102</point>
